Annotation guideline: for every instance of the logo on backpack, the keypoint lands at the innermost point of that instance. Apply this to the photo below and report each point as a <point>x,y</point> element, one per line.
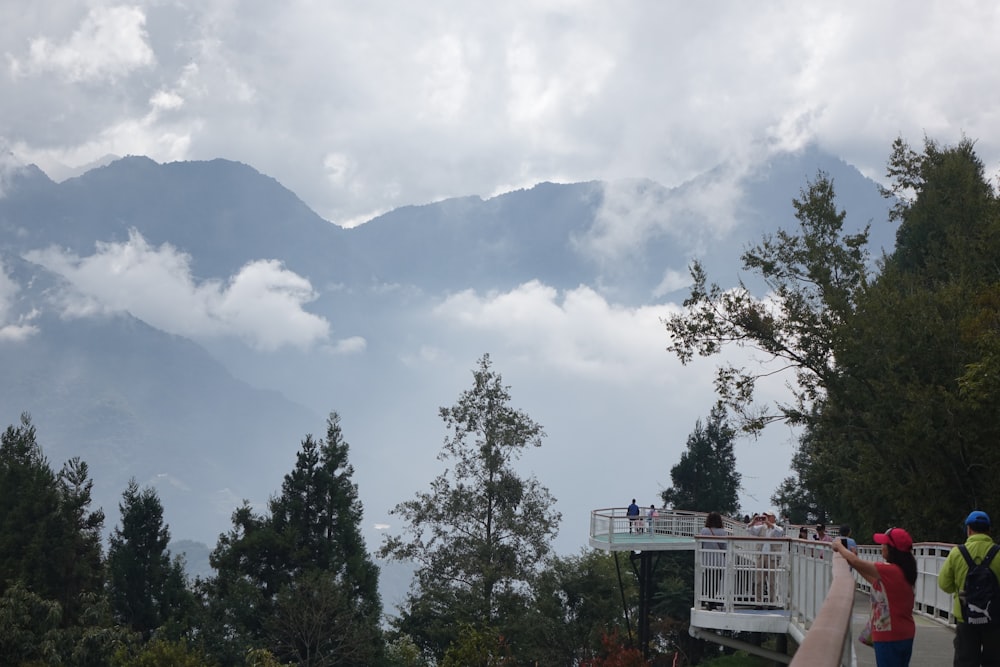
<point>981,588</point>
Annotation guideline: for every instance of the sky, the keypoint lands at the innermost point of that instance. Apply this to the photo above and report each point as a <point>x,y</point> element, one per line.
<point>360,108</point>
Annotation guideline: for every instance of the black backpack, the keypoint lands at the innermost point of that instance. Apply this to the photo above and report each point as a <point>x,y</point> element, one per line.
<point>981,589</point>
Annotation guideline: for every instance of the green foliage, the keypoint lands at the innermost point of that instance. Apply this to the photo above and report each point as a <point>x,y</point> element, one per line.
<point>320,514</point>
<point>894,373</point>
<point>261,657</point>
<point>908,399</point>
<point>577,601</point>
<point>815,275</point>
<point>478,648</point>
<point>706,479</point>
<point>317,622</point>
<point>162,653</point>
<point>29,627</point>
<point>298,580</point>
<point>146,589</point>
<point>479,534</point>
<point>404,652</point>
<point>49,538</point>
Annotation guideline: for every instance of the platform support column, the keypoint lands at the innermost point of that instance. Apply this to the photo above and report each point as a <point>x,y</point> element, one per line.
<point>645,559</point>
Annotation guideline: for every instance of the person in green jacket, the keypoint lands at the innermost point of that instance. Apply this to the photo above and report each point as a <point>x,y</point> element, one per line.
<point>975,645</point>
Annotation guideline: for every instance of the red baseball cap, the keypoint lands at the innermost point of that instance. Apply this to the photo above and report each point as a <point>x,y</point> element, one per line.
<point>896,538</point>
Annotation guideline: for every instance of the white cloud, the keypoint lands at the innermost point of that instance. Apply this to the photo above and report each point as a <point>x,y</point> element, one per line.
<point>110,43</point>
<point>361,108</point>
<point>352,345</point>
<point>599,378</point>
<point>262,304</point>
<point>578,332</point>
<point>13,328</point>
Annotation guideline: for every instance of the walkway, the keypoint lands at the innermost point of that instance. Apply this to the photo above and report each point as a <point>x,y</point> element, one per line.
<point>931,648</point>
<point>781,586</point>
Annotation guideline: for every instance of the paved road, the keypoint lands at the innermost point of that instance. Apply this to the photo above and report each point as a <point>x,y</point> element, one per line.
<point>931,648</point>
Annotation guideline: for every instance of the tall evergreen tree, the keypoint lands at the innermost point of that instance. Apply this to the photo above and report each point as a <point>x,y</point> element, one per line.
<point>49,537</point>
<point>706,479</point>
<point>82,562</point>
<point>146,587</point>
<point>482,530</point>
<point>300,568</point>
<point>921,333</point>
<point>319,509</point>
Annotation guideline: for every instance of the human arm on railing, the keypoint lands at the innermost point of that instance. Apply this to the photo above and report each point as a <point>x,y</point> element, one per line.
<point>865,568</point>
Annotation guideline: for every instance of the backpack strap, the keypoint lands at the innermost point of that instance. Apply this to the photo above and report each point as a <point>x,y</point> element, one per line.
<point>986,560</point>
<point>989,556</point>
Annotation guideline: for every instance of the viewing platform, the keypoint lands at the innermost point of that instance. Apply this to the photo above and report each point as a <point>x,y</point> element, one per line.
<point>784,586</point>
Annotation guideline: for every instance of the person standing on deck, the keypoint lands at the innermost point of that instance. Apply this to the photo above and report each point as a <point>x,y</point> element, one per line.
<point>892,595</point>
<point>633,516</point>
<point>975,643</point>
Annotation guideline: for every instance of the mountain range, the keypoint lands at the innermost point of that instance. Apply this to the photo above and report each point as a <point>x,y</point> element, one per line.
<point>187,324</point>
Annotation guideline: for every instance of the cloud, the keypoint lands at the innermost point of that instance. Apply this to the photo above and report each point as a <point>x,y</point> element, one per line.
<point>692,216</point>
<point>262,304</point>
<point>352,345</point>
<point>599,377</point>
<point>379,106</point>
<point>109,44</point>
<point>577,332</point>
<point>13,328</point>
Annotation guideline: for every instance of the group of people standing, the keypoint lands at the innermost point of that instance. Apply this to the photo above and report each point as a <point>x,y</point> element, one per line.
<point>977,636</point>
<point>635,518</point>
<point>971,572</point>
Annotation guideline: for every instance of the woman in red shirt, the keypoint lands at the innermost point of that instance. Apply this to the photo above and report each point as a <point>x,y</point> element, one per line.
<point>892,595</point>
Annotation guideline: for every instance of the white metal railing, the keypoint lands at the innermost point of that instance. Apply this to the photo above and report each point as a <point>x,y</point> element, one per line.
<point>613,523</point>
<point>931,601</point>
<point>741,572</point>
<point>735,572</point>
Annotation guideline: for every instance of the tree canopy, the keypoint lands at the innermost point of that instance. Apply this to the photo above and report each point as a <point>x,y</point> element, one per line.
<point>299,579</point>
<point>706,478</point>
<point>892,371</point>
<point>480,533</point>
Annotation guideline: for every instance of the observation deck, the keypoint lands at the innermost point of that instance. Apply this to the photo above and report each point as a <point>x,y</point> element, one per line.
<point>786,586</point>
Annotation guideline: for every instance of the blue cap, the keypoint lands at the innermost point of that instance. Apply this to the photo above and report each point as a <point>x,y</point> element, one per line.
<point>978,517</point>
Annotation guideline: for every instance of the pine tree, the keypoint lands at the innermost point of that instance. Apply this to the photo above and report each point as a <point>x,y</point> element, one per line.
<point>146,588</point>
<point>706,479</point>
<point>49,538</point>
<point>298,579</point>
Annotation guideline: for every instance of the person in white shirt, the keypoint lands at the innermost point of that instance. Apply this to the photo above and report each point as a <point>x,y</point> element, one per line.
<point>772,563</point>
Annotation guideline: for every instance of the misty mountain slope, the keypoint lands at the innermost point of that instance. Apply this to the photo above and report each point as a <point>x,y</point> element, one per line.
<point>134,401</point>
<point>225,214</point>
<point>469,242</point>
<point>412,299</point>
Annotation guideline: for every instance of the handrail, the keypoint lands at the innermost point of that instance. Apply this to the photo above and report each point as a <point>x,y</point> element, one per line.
<point>930,600</point>
<point>808,579</point>
<point>830,633</point>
